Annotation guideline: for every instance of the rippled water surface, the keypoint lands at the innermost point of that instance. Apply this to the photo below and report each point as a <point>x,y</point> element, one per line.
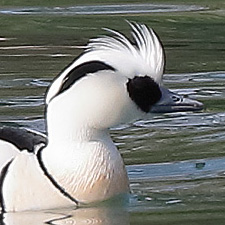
<point>101,9</point>
<point>175,162</point>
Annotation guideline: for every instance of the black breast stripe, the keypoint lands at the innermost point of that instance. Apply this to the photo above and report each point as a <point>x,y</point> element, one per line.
<point>53,181</point>
<point>81,71</point>
<point>2,177</point>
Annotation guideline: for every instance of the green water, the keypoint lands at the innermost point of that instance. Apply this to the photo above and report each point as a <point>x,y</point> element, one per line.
<point>180,178</point>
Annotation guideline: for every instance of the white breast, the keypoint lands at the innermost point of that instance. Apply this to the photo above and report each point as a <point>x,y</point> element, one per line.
<point>90,172</point>
<point>26,187</point>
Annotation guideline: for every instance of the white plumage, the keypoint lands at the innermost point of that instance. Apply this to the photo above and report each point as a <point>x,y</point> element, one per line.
<point>146,57</point>
<point>115,81</point>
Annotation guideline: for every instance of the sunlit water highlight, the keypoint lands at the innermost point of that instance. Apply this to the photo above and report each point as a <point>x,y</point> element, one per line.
<point>102,9</point>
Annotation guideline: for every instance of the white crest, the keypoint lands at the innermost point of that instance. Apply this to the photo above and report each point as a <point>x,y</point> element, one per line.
<point>140,57</point>
<point>146,51</point>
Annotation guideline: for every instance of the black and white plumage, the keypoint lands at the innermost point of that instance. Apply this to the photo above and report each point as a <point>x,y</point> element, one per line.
<point>13,140</point>
<point>22,138</point>
<point>114,81</point>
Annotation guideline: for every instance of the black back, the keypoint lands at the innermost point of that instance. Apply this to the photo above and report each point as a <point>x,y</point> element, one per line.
<point>22,138</point>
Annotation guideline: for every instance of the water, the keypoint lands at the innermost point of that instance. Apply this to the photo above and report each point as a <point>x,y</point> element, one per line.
<point>175,162</point>
<point>101,9</point>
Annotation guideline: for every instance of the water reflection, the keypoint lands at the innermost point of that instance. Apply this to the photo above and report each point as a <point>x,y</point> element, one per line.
<point>81,216</point>
<point>182,170</point>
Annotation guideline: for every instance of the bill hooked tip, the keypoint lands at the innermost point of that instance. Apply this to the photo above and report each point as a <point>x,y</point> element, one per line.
<point>187,105</point>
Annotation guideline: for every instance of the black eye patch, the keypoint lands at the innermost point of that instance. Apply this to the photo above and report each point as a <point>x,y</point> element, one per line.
<point>80,71</point>
<point>144,91</point>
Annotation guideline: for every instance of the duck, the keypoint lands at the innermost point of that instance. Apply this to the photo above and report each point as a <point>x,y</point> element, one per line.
<point>116,80</point>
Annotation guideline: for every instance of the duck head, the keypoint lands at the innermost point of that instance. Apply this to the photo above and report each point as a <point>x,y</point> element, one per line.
<point>115,80</point>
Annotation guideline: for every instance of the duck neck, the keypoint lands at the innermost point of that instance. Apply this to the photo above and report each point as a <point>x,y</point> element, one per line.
<point>67,144</point>
<point>77,135</point>
<point>67,124</point>
<point>84,160</point>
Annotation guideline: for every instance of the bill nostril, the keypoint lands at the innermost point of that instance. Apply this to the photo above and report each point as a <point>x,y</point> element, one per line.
<point>177,98</point>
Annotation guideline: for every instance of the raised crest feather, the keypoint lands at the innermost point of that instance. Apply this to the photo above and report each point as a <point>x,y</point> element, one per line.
<point>149,47</point>
<point>142,56</point>
<point>145,47</point>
